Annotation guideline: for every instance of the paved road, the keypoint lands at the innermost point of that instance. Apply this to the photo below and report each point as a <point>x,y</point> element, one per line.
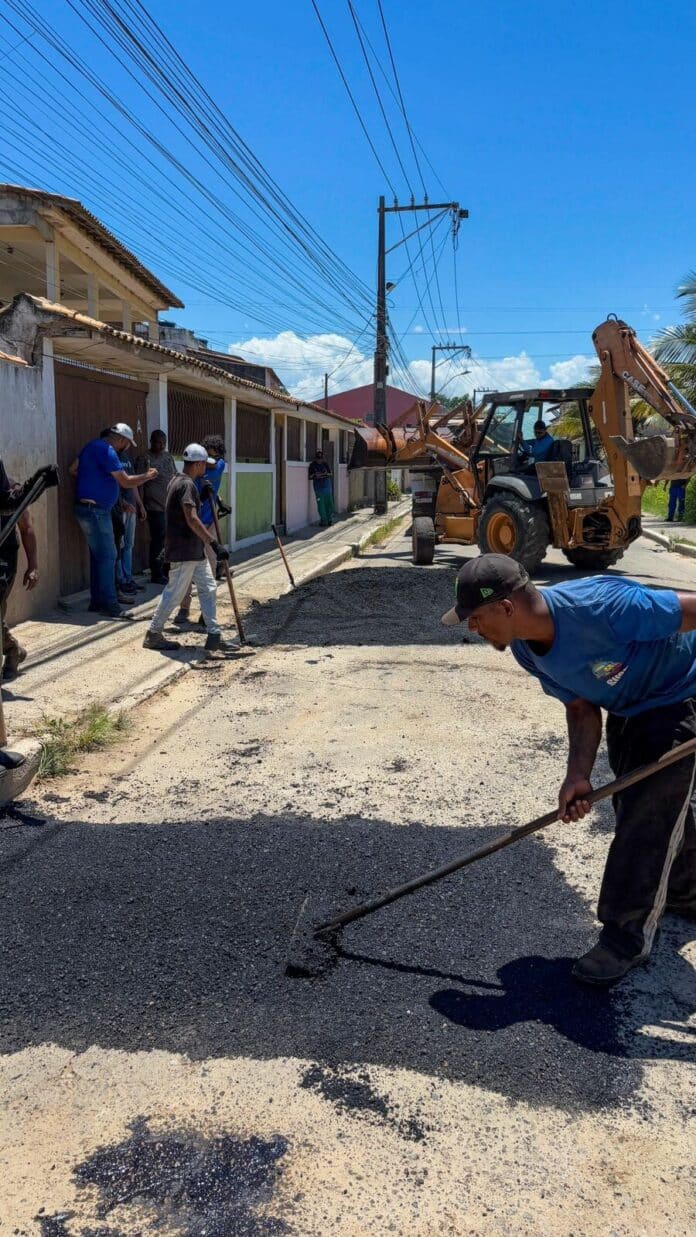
<point>162,1074</point>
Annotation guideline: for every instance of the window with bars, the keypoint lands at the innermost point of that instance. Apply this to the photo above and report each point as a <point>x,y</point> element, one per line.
<point>311,439</point>
<point>192,416</point>
<point>253,436</point>
<point>294,438</point>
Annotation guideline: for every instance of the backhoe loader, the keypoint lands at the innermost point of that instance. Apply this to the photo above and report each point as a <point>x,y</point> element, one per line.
<point>474,478</point>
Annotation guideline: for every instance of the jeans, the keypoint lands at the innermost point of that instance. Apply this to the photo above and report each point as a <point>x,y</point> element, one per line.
<point>181,576</point>
<point>158,568</point>
<point>212,559</point>
<point>124,563</point>
<point>98,531</point>
<point>677,500</point>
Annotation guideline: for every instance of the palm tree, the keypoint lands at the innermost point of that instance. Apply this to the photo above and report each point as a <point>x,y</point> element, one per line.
<point>675,346</point>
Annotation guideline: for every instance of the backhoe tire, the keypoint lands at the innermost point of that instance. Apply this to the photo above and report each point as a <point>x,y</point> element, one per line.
<point>593,560</point>
<point>423,540</point>
<point>509,525</point>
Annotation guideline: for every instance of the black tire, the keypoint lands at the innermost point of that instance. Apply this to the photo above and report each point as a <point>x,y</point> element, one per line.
<point>423,539</point>
<point>593,560</point>
<point>527,522</point>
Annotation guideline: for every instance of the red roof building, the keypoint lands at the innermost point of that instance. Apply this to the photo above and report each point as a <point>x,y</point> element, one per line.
<point>358,404</point>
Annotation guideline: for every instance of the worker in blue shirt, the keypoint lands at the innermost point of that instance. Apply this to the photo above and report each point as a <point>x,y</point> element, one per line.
<point>609,643</point>
<point>100,477</point>
<point>540,447</point>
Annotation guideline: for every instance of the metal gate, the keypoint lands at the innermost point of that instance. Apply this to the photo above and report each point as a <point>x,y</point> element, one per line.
<point>192,415</point>
<point>87,401</point>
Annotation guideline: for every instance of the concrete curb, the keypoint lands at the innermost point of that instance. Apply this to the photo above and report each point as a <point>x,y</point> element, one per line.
<point>14,782</point>
<point>689,551</point>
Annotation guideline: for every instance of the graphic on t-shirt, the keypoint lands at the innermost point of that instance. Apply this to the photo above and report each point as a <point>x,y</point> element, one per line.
<point>609,671</point>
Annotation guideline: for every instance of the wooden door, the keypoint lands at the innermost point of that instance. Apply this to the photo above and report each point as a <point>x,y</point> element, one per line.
<point>87,401</point>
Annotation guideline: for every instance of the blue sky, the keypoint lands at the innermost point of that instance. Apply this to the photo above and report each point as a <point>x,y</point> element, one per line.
<point>565,129</point>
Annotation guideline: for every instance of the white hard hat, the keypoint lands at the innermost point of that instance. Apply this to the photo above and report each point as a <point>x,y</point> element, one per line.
<point>124,430</point>
<point>194,453</point>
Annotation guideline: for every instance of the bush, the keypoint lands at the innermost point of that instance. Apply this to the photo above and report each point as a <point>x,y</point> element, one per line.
<point>393,490</point>
<point>690,509</point>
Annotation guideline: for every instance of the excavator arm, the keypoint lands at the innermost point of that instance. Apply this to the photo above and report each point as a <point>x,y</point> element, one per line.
<point>626,367</point>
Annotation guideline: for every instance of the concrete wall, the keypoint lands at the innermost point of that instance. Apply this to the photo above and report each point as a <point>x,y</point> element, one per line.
<point>300,507</point>
<point>27,441</point>
<point>341,497</point>
<point>253,503</point>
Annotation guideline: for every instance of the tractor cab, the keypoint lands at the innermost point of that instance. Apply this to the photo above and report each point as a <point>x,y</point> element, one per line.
<point>521,429</point>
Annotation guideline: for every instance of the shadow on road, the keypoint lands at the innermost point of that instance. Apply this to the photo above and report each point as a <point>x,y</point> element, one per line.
<point>175,937</point>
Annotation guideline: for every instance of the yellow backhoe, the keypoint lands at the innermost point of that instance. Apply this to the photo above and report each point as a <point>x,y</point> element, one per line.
<point>475,476</point>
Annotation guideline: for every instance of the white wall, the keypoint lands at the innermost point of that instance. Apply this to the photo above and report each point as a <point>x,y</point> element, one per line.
<point>27,441</point>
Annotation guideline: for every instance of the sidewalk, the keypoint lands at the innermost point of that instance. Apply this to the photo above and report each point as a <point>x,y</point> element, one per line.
<point>675,536</point>
<point>75,660</point>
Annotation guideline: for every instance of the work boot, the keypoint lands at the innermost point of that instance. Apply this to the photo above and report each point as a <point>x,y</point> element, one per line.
<point>216,644</point>
<point>602,967</point>
<point>181,617</point>
<point>12,663</point>
<point>155,640</point>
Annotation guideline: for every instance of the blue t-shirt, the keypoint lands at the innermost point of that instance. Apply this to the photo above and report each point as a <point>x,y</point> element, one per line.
<point>540,448</point>
<point>214,476</point>
<point>97,462</point>
<point>616,644</point>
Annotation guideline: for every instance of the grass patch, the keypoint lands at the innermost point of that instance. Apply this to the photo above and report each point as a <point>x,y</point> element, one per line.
<point>655,501</point>
<point>62,741</point>
<point>381,534</point>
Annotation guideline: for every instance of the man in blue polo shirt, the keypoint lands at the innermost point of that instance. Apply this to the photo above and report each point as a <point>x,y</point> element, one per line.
<point>100,476</point>
<point>540,447</point>
<point>609,643</point>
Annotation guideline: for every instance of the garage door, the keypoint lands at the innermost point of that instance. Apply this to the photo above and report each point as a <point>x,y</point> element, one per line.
<point>87,401</point>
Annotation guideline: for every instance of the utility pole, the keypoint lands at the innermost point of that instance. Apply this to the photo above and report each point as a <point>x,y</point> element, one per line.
<point>326,392</point>
<point>444,348</point>
<point>381,363</point>
<point>381,367</point>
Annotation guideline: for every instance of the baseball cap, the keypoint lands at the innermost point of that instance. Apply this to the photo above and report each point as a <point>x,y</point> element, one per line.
<point>483,580</point>
<point>124,430</point>
<point>194,453</point>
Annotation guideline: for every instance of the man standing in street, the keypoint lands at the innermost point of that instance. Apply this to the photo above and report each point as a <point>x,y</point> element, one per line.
<point>609,643</point>
<point>100,476</point>
<point>155,497</point>
<point>13,652</point>
<point>208,487</point>
<point>320,476</point>
<point>185,540</point>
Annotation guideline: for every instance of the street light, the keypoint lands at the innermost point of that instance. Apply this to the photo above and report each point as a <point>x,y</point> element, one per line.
<point>462,374</point>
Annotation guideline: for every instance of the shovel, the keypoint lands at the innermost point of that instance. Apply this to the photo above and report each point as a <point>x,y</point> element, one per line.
<point>228,575</point>
<point>314,948</point>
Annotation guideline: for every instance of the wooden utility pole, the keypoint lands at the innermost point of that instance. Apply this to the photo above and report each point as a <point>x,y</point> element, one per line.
<point>326,392</point>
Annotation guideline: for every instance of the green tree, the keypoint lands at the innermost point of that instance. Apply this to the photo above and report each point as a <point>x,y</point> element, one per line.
<point>675,346</point>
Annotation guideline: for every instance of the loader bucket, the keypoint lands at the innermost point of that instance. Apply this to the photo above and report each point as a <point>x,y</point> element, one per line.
<point>374,448</point>
<point>658,457</point>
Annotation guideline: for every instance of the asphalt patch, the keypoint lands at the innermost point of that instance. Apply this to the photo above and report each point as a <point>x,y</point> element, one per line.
<point>182,1182</point>
<point>350,1089</point>
<point>176,937</point>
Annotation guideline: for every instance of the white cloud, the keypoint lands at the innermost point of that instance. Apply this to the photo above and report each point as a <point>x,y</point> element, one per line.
<point>418,329</point>
<point>572,372</point>
<point>302,363</point>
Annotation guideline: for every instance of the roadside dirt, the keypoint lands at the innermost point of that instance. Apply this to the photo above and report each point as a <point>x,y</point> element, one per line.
<point>160,1072</point>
